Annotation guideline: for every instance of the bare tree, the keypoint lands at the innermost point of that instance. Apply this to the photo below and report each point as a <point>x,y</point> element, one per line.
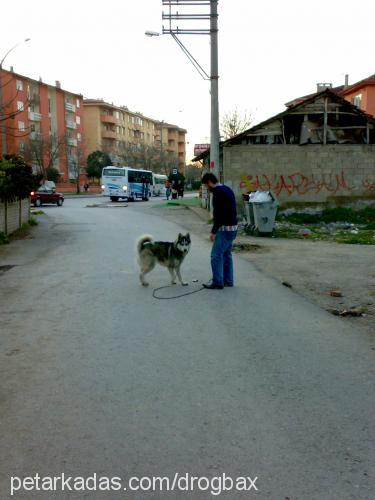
<point>234,123</point>
<point>43,151</point>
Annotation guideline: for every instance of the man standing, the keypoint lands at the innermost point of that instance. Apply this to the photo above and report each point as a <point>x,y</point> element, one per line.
<point>223,233</point>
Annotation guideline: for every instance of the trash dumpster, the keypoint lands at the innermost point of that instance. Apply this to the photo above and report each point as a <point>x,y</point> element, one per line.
<point>262,212</point>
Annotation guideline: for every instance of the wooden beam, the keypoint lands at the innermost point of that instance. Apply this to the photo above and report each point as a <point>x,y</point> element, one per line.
<point>325,121</point>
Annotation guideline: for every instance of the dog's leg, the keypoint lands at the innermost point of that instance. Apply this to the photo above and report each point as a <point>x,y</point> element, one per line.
<point>146,268</point>
<point>179,277</point>
<point>173,275</point>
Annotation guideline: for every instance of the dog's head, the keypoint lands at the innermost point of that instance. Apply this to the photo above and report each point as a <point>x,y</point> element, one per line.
<point>183,243</point>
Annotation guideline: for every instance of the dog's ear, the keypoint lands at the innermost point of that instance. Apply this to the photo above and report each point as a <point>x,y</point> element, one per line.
<point>179,236</point>
<point>188,236</point>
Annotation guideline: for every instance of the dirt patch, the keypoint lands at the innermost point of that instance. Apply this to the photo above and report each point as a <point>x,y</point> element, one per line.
<point>248,247</point>
<point>312,268</point>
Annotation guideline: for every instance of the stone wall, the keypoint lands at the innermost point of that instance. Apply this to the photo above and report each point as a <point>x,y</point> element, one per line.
<point>13,215</point>
<point>312,173</point>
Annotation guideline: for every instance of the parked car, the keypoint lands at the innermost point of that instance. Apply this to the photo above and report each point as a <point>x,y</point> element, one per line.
<point>44,195</point>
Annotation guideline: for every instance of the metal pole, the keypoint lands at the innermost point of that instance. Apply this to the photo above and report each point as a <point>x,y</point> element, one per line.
<point>215,133</point>
<point>2,116</point>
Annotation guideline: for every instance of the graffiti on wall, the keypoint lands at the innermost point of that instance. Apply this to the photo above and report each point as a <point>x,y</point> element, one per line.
<point>300,184</point>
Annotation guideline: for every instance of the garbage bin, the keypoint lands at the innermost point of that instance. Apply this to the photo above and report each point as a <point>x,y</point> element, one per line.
<point>262,211</point>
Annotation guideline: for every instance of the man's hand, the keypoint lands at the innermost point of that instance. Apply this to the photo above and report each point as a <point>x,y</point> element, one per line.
<point>212,237</point>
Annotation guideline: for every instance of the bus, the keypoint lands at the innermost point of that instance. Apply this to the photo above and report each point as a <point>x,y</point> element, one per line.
<point>159,188</point>
<point>126,183</point>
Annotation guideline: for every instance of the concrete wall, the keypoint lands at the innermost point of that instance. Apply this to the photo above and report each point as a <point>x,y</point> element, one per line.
<point>313,173</point>
<point>13,215</point>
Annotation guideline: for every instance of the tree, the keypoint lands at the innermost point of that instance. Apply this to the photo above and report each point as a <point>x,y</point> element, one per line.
<point>52,174</point>
<point>234,123</point>
<point>193,175</point>
<point>95,163</point>
<point>44,151</point>
<point>16,179</point>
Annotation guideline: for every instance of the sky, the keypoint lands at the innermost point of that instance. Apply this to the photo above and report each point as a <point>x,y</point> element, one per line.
<point>269,52</point>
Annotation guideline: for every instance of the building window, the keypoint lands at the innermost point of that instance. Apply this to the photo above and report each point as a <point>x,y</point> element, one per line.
<point>357,100</point>
<point>32,127</point>
<point>78,104</point>
<point>117,115</point>
<point>21,126</point>
<point>79,137</point>
<point>21,146</point>
<point>20,105</point>
<point>19,85</point>
<point>78,120</point>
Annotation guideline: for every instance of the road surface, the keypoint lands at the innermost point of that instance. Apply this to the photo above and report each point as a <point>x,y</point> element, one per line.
<point>97,376</point>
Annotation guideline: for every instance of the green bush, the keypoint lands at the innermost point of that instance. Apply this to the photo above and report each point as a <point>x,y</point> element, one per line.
<point>52,174</point>
<point>16,179</point>
<point>3,238</point>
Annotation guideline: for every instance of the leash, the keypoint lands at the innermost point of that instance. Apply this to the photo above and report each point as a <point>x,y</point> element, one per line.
<point>154,292</point>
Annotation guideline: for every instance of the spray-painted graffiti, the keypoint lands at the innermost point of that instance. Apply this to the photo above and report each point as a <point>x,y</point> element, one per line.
<point>368,184</point>
<point>298,183</point>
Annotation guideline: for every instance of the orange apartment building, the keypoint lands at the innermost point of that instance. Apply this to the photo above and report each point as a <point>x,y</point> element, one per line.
<point>112,128</point>
<point>361,94</point>
<point>34,110</point>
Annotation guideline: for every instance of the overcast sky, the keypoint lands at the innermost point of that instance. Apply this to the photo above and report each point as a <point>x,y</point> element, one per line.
<point>270,52</point>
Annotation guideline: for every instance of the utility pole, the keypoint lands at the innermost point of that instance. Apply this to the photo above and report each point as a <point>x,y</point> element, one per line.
<point>215,132</point>
<point>173,16</point>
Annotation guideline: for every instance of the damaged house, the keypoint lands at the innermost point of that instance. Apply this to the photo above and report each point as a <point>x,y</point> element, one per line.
<point>318,150</point>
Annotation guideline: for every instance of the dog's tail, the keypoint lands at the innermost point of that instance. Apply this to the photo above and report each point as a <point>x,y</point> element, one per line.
<point>146,238</point>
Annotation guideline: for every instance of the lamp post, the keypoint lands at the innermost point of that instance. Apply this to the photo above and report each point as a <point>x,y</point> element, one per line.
<point>2,111</point>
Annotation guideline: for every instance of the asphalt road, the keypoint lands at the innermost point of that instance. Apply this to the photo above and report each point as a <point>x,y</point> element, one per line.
<point>97,376</point>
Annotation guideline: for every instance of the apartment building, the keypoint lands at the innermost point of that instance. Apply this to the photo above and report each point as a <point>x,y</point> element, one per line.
<point>113,129</point>
<point>35,111</point>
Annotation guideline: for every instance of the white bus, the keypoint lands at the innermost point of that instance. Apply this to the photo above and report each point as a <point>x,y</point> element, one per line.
<point>159,188</point>
<point>126,182</point>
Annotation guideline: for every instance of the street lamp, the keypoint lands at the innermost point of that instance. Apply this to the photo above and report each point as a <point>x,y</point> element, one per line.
<point>2,113</point>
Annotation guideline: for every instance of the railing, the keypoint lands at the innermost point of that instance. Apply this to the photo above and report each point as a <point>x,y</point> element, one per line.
<point>35,136</point>
<point>34,116</point>
<point>108,119</point>
<point>71,124</point>
<point>109,134</point>
<point>70,107</point>
<point>71,141</point>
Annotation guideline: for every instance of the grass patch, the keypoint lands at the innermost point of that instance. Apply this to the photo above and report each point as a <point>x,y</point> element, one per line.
<point>362,238</point>
<point>37,212</point>
<point>185,202</point>
<point>4,240</point>
<point>339,214</point>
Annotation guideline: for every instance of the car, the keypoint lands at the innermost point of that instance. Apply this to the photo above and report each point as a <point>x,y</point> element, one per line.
<point>44,195</point>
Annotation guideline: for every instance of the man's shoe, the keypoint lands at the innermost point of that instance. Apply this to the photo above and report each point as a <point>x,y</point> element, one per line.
<point>212,286</point>
<point>228,285</point>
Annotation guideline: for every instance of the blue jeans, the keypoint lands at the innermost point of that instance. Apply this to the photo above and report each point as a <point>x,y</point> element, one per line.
<point>221,258</point>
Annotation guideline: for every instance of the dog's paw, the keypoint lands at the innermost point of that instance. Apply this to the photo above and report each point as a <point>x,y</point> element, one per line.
<point>184,284</point>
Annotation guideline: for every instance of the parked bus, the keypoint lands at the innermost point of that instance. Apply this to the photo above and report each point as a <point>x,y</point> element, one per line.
<point>159,188</point>
<point>126,182</point>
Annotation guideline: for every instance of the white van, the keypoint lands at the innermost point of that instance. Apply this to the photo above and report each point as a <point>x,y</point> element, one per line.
<point>158,185</point>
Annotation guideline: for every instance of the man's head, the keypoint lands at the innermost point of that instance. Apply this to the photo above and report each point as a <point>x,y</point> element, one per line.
<point>210,180</point>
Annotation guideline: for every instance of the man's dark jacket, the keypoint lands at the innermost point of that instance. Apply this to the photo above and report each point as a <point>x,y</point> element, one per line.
<point>225,209</point>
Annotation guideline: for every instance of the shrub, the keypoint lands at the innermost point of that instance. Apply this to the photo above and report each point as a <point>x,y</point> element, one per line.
<point>16,179</point>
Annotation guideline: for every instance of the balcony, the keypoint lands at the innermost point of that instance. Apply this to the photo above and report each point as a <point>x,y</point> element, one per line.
<point>71,124</point>
<point>35,136</point>
<point>108,119</point>
<point>34,116</point>
<point>70,107</point>
<point>109,134</point>
<point>71,141</point>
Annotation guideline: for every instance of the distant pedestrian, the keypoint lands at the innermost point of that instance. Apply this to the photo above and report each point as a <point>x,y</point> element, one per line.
<point>168,189</point>
<point>86,186</point>
<point>223,232</point>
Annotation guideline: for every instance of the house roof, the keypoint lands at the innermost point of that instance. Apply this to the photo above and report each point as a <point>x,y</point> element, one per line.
<point>370,80</point>
<point>328,92</point>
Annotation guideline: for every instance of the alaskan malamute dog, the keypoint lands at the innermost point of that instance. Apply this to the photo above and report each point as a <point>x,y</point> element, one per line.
<point>168,254</point>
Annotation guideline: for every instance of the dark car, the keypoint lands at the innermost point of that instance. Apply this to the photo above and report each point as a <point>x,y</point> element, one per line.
<point>44,195</point>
